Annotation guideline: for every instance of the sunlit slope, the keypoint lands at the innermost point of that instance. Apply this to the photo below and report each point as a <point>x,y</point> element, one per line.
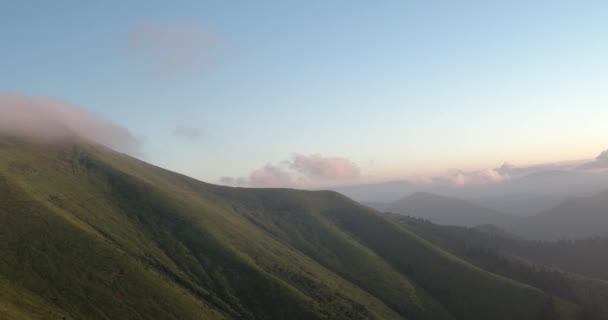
<point>87,233</point>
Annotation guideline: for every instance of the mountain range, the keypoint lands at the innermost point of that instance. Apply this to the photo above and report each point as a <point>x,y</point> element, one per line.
<point>524,195</point>
<point>89,233</point>
<point>575,218</point>
<point>444,210</point>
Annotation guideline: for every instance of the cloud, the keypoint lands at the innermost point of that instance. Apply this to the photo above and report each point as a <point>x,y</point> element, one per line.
<point>459,178</point>
<point>477,177</point>
<point>189,133</point>
<point>318,167</point>
<point>507,171</point>
<point>271,176</point>
<point>50,119</point>
<point>172,49</point>
<point>600,162</point>
<point>298,171</point>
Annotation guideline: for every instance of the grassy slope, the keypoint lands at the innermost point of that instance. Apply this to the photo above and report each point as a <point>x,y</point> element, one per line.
<point>109,237</point>
<point>501,254</point>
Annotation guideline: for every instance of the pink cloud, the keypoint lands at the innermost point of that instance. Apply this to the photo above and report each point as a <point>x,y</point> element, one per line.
<point>317,166</point>
<point>50,119</point>
<point>271,176</point>
<point>299,171</point>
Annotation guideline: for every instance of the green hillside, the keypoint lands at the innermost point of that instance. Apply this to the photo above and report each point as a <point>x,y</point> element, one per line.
<point>87,233</point>
<point>544,265</point>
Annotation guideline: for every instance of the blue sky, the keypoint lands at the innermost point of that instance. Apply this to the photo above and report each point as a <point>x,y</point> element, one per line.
<point>397,88</point>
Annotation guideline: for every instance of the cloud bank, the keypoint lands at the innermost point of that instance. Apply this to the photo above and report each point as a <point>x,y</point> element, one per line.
<point>50,119</point>
<point>507,171</point>
<point>315,170</point>
<point>172,49</point>
<point>298,171</point>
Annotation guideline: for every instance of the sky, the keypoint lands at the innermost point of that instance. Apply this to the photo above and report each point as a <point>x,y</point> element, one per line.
<point>318,93</point>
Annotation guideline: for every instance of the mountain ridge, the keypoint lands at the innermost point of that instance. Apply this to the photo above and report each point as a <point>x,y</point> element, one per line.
<point>445,210</point>
<point>89,233</point>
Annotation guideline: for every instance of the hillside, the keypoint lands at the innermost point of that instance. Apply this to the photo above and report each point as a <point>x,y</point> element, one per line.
<point>580,217</point>
<point>573,271</point>
<point>88,233</point>
<point>444,210</point>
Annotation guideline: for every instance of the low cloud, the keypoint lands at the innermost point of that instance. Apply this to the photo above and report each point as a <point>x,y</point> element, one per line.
<point>507,171</point>
<point>299,171</point>
<point>271,176</point>
<point>50,119</point>
<point>318,167</point>
<point>600,162</point>
<point>311,171</point>
<point>172,49</point>
<point>477,177</point>
<point>189,133</point>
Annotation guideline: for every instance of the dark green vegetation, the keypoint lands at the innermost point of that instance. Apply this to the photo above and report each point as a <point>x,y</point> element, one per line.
<point>545,265</point>
<point>86,233</point>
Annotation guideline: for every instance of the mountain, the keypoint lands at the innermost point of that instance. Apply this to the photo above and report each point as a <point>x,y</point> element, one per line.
<point>88,233</point>
<point>580,217</point>
<point>583,256</point>
<point>444,210</point>
<point>377,192</point>
<point>492,230</point>
<point>540,191</point>
<point>522,204</point>
<point>545,265</point>
<point>526,195</point>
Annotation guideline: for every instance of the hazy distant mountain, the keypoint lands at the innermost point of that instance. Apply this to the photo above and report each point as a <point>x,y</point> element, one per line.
<point>377,192</point>
<point>574,218</point>
<point>445,210</point>
<point>520,204</point>
<point>539,191</point>
<point>526,195</point>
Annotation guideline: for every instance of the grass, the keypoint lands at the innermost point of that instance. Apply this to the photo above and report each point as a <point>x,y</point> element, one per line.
<point>87,233</point>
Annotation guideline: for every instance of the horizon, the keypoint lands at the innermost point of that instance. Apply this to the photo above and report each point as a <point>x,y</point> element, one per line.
<point>256,95</point>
